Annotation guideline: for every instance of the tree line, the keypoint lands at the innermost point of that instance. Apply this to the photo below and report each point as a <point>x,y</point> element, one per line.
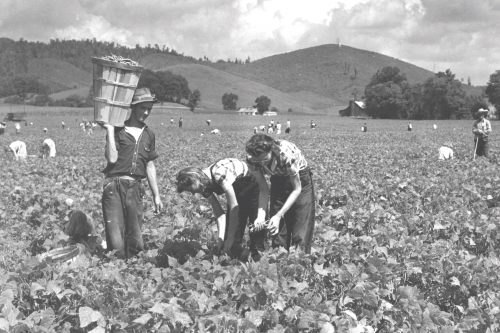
<point>262,103</point>
<point>169,87</point>
<point>390,96</point>
<point>22,85</point>
<point>15,55</point>
<point>166,86</point>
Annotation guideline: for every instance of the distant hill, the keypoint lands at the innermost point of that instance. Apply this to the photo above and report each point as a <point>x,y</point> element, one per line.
<point>328,70</point>
<point>315,79</point>
<point>213,83</point>
<point>59,74</point>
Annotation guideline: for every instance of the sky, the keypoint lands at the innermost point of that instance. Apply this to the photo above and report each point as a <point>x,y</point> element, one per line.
<point>460,35</point>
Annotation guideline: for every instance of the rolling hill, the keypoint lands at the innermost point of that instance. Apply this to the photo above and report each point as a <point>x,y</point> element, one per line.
<point>319,77</point>
<point>332,71</point>
<point>316,79</point>
<point>213,83</point>
<point>59,73</point>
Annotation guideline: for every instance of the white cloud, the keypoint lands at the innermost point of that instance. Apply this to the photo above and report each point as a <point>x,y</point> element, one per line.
<point>95,27</point>
<point>459,34</point>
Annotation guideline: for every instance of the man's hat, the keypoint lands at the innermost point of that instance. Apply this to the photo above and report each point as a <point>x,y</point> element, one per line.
<point>482,111</point>
<point>143,95</point>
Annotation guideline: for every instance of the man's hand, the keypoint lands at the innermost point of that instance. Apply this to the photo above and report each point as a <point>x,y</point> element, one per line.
<point>105,125</point>
<point>274,224</point>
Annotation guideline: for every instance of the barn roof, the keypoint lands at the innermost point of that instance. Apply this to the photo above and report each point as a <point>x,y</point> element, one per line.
<point>360,104</point>
<point>247,110</point>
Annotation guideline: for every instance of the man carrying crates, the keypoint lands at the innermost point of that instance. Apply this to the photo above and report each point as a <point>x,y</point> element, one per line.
<point>130,152</point>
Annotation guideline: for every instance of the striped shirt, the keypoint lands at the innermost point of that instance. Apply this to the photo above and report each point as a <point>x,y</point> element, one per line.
<point>223,174</point>
<point>288,161</point>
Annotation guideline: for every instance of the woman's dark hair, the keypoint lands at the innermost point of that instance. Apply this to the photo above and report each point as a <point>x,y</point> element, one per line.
<point>79,225</point>
<point>190,176</point>
<point>260,143</point>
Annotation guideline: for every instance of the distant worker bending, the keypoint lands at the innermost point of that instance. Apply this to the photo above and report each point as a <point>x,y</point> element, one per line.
<point>446,151</point>
<point>48,148</point>
<point>18,148</point>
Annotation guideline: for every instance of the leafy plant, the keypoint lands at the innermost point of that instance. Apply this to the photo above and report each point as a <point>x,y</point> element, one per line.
<point>403,242</point>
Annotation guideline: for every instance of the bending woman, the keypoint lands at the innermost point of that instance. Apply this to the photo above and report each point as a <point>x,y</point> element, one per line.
<point>292,192</point>
<point>230,177</point>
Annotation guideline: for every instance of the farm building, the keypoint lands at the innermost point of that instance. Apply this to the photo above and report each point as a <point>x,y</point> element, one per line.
<point>269,113</point>
<point>355,109</point>
<point>247,111</point>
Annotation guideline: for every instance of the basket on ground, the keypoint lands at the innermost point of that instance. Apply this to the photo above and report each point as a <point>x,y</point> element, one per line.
<point>114,87</point>
<point>65,254</point>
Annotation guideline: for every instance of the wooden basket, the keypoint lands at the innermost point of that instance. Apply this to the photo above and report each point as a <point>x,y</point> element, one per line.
<point>114,113</point>
<point>65,254</point>
<point>114,87</point>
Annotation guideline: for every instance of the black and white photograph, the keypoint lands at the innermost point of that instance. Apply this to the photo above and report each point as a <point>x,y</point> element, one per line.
<point>249,166</point>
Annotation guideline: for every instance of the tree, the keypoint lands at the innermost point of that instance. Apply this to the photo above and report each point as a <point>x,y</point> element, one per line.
<point>150,80</point>
<point>444,97</point>
<point>89,101</point>
<point>165,85</point>
<point>384,100</point>
<point>446,74</point>
<point>384,94</point>
<point>194,98</point>
<point>176,86</point>
<point>412,98</point>
<point>262,104</point>
<point>474,103</point>
<point>229,101</point>
<point>493,90</point>
<point>74,101</point>
<point>43,100</point>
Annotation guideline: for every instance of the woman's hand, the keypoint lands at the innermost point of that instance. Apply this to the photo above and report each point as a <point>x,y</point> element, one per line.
<point>258,225</point>
<point>274,224</point>
<point>158,203</point>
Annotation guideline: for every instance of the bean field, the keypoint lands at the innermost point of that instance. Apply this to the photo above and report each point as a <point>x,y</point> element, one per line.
<point>403,242</point>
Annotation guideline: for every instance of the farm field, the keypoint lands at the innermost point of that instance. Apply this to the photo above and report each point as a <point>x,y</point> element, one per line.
<point>403,242</point>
